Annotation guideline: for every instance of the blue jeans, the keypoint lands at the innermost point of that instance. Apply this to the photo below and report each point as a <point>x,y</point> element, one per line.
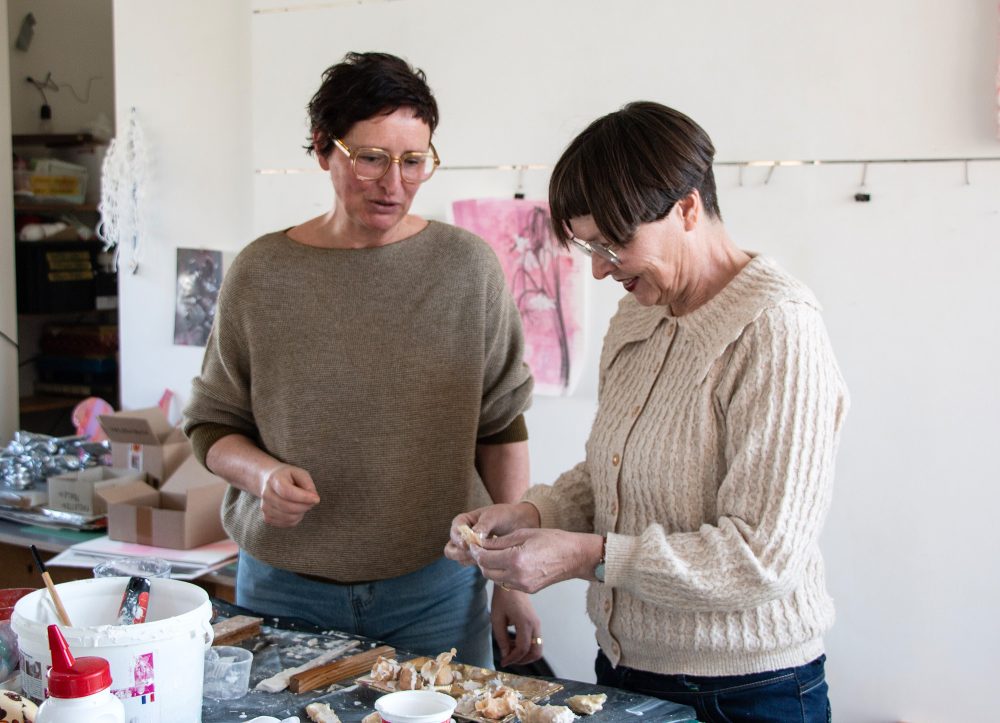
<point>789,695</point>
<point>429,611</point>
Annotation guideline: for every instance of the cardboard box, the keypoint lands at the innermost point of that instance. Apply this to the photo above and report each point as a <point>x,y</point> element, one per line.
<point>184,513</point>
<point>144,440</point>
<point>76,491</point>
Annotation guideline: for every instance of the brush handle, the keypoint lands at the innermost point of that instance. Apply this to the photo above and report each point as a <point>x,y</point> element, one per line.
<point>60,610</point>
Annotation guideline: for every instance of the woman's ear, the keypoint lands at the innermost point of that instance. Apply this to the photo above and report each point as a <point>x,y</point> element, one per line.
<point>319,138</point>
<point>690,207</point>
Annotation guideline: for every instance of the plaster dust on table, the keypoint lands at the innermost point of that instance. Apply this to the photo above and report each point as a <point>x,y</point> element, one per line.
<point>277,650</point>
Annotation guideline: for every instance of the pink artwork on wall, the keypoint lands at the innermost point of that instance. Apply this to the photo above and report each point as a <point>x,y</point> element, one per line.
<point>546,280</point>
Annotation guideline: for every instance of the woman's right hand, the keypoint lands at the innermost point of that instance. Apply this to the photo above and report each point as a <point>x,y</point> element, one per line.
<point>287,493</point>
<point>488,521</point>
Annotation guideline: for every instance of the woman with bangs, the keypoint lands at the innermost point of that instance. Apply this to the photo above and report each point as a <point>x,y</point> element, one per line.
<point>697,509</point>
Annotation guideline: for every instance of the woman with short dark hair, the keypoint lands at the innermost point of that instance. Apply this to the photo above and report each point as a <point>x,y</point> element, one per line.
<point>363,384</point>
<point>697,510</point>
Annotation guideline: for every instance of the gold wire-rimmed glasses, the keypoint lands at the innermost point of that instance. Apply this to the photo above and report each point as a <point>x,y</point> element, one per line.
<point>605,252</point>
<point>370,164</point>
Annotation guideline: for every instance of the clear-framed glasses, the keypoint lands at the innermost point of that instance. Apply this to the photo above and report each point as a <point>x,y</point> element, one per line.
<point>370,164</point>
<point>605,252</point>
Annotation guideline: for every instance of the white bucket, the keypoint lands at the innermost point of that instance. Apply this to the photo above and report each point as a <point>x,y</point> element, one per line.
<point>156,666</point>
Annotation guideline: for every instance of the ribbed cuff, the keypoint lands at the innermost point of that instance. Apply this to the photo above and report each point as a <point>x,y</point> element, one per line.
<point>516,431</point>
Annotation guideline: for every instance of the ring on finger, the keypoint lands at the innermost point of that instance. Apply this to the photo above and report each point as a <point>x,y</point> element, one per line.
<point>537,640</point>
<point>504,586</point>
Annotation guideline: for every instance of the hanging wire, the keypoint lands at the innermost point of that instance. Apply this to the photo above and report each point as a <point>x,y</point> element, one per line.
<point>86,95</point>
<point>43,85</point>
<point>771,165</point>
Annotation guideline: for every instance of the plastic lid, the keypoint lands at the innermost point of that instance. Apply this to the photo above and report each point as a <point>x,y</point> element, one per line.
<point>74,678</point>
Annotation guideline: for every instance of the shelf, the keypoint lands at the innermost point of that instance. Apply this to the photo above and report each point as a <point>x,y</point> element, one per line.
<point>55,140</point>
<point>40,403</point>
<point>52,207</point>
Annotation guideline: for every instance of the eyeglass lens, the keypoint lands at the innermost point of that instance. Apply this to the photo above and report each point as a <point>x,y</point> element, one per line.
<point>603,251</point>
<point>372,163</point>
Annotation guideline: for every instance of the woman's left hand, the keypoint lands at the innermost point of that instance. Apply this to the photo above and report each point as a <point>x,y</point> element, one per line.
<point>530,560</point>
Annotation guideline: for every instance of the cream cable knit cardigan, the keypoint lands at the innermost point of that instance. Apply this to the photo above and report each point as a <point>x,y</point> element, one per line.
<point>709,467</point>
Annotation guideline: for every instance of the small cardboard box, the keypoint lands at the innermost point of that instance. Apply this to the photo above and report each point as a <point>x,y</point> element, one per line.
<point>75,491</point>
<point>184,513</point>
<point>144,440</point>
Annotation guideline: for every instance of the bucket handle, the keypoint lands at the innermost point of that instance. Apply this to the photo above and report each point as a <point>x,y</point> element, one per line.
<point>208,633</point>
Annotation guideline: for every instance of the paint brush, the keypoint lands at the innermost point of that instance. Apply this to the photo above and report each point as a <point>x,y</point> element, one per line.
<point>60,610</point>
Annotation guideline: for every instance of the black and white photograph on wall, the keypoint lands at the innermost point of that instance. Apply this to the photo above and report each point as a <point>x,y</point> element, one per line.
<point>199,276</point>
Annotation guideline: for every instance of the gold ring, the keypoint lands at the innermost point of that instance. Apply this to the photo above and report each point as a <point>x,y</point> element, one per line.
<point>537,641</point>
<point>504,586</point>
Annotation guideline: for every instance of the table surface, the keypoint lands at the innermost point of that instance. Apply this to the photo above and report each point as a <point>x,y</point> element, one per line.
<point>286,643</point>
<point>51,539</point>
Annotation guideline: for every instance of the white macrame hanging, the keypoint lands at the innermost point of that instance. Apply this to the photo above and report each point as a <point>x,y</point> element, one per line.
<point>123,186</point>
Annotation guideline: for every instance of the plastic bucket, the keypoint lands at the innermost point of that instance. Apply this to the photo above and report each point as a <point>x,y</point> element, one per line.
<point>156,667</point>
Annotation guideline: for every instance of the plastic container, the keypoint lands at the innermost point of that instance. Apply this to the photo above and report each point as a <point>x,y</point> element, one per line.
<point>416,706</point>
<point>227,672</point>
<point>8,641</point>
<point>133,567</point>
<point>55,180</point>
<point>79,689</point>
<point>156,667</point>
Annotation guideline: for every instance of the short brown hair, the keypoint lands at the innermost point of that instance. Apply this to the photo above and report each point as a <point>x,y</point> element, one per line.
<point>363,86</point>
<point>630,167</point>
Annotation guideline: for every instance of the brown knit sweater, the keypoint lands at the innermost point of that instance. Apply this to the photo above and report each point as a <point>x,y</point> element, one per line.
<point>376,370</point>
<point>710,467</point>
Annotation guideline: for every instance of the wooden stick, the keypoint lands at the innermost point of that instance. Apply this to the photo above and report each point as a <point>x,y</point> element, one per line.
<point>60,610</point>
<point>338,670</point>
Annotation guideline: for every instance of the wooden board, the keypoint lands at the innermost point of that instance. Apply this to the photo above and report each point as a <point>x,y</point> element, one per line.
<point>533,689</point>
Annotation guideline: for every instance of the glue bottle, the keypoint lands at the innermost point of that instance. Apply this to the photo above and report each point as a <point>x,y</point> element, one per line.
<point>79,690</point>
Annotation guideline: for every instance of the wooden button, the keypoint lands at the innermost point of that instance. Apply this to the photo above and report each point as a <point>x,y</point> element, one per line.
<point>614,508</point>
<point>636,409</point>
<point>607,606</point>
<point>615,459</point>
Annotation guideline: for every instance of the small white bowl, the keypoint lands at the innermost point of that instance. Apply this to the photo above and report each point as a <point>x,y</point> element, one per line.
<point>416,706</point>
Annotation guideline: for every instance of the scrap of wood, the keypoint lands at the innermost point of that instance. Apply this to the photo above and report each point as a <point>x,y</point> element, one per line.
<point>236,629</point>
<point>277,683</point>
<point>338,670</point>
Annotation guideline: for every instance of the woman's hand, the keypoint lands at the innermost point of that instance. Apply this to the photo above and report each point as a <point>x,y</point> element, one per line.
<point>530,560</point>
<point>486,522</point>
<point>512,608</point>
<point>286,494</point>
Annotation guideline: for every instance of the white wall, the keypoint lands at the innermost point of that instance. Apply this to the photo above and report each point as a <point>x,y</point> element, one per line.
<point>71,40</point>
<point>907,280</point>
<point>185,68</point>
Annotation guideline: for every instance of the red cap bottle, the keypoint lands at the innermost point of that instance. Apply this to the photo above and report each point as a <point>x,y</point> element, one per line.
<point>79,689</point>
<point>74,678</point>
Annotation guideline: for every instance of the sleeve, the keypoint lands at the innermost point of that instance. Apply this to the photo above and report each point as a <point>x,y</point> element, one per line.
<point>507,381</point>
<point>568,504</point>
<point>782,402</point>
<point>220,395</point>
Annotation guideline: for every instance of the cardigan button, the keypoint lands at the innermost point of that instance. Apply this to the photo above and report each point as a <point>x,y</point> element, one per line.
<point>614,508</point>
<point>607,606</point>
<point>615,459</point>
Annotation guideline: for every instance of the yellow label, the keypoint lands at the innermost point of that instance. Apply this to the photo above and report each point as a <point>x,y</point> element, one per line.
<point>55,185</point>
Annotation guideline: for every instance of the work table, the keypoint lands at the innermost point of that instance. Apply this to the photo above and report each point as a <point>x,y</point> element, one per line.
<point>283,641</point>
